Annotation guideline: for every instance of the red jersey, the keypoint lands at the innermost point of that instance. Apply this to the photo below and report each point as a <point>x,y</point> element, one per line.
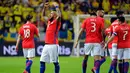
<point>93,27</point>
<point>52,32</point>
<point>108,34</point>
<point>113,26</point>
<point>123,34</point>
<point>27,31</point>
<point>101,19</point>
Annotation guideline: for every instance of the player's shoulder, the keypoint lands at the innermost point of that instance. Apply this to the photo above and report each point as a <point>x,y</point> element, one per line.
<point>32,25</point>
<point>100,17</point>
<point>88,18</point>
<point>115,23</point>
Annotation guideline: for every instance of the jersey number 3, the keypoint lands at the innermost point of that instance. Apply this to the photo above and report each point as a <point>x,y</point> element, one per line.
<point>26,33</point>
<point>125,33</point>
<point>93,26</point>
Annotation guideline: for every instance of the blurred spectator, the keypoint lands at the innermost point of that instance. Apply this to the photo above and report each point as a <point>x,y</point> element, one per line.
<point>26,10</point>
<point>84,7</point>
<point>1,31</point>
<point>106,6</point>
<point>115,5</point>
<point>95,4</point>
<point>15,11</point>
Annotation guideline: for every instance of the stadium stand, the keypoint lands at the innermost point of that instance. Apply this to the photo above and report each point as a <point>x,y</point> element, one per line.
<point>13,13</point>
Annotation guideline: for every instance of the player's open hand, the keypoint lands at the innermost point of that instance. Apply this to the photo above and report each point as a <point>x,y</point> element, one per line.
<point>46,4</point>
<point>55,4</point>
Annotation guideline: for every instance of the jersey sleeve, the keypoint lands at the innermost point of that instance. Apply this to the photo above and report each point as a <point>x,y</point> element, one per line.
<point>20,31</point>
<point>84,24</point>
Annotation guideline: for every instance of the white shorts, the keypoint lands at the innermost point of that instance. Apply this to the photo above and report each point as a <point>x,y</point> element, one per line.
<point>29,52</point>
<point>103,52</point>
<point>123,53</point>
<point>92,48</point>
<point>110,53</point>
<point>114,49</point>
<point>49,53</point>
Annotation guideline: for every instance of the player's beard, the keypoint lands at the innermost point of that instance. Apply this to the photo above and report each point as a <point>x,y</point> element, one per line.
<point>102,16</point>
<point>51,19</point>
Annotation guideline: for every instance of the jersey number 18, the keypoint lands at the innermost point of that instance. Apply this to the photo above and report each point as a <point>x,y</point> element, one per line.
<point>26,33</point>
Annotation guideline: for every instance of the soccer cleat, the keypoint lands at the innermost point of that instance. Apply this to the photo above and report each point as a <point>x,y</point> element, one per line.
<point>93,70</point>
<point>25,71</point>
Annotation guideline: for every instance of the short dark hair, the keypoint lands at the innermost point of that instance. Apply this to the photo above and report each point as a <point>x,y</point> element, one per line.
<point>121,19</point>
<point>100,8</point>
<point>118,13</point>
<point>29,17</point>
<point>93,13</point>
<point>113,19</point>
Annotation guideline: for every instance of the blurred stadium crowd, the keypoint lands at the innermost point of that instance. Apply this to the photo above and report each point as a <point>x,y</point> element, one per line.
<point>13,14</point>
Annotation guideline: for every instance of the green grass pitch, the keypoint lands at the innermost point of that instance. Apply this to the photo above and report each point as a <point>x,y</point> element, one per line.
<point>67,65</point>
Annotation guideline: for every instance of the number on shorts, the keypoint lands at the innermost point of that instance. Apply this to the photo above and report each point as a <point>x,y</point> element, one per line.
<point>125,33</point>
<point>26,33</point>
<point>93,26</point>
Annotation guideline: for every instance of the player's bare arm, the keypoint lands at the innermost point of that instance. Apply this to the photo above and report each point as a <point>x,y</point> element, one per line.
<point>80,32</point>
<point>58,12</point>
<point>18,41</point>
<point>109,40</point>
<point>46,6</point>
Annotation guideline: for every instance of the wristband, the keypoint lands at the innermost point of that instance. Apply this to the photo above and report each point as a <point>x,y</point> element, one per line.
<point>56,6</point>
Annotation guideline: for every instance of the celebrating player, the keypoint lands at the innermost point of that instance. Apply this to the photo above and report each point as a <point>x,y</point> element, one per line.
<point>122,32</point>
<point>94,28</point>
<point>27,32</point>
<point>50,50</point>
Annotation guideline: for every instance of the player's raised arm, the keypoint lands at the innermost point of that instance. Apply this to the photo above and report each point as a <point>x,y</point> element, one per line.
<point>46,6</point>
<point>57,10</point>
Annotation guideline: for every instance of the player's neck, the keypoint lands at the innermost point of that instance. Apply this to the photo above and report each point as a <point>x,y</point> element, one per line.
<point>93,16</point>
<point>27,22</point>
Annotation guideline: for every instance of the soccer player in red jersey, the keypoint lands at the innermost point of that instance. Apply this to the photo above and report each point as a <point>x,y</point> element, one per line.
<point>94,28</point>
<point>122,32</point>
<point>108,34</point>
<point>100,15</point>
<point>114,24</point>
<point>27,33</point>
<point>50,50</point>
